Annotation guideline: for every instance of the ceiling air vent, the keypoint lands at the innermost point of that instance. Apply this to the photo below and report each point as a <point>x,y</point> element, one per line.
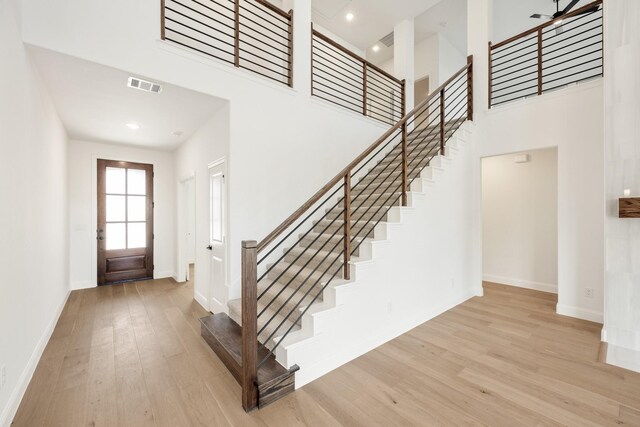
<point>144,85</point>
<point>388,40</point>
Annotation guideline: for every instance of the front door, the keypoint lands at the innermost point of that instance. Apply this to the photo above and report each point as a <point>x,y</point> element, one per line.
<point>217,237</point>
<point>125,221</point>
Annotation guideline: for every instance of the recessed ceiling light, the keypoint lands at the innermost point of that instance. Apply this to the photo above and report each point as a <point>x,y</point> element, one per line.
<point>376,48</point>
<point>133,126</point>
<point>350,16</point>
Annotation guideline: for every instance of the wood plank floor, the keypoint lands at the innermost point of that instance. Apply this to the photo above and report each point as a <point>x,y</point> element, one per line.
<point>131,355</point>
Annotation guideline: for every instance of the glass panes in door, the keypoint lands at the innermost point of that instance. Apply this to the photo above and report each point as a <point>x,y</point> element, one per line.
<point>126,208</point>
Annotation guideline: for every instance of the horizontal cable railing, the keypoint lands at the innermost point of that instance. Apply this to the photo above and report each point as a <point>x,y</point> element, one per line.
<point>558,53</point>
<point>341,77</point>
<point>250,34</point>
<point>289,270</point>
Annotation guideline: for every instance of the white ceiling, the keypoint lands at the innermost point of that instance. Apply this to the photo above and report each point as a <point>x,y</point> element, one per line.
<point>513,17</point>
<point>374,19</point>
<point>95,104</point>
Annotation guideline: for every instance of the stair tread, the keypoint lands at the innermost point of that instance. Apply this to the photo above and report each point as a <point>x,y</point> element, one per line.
<point>229,334</point>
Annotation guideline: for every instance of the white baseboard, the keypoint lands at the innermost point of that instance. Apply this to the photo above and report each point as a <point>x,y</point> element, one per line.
<point>200,299</point>
<point>580,313</point>
<point>87,284</point>
<point>526,284</point>
<point>164,274</point>
<point>9,411</point>
<point>311,373</point>
<point>622,357</point>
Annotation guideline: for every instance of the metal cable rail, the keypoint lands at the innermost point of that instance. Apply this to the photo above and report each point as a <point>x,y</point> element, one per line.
<point>250,34</point>
<point>288,271</point>
<point>556,54</point>
<point>344,78</point>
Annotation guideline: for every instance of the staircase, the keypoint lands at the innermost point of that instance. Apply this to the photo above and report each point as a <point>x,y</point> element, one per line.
<point>286,276</point>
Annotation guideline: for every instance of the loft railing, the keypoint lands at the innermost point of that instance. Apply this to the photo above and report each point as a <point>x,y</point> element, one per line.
<point>288,271</point>
<point>250,34</point>
<point>344,78</point>
<point>553,55</point>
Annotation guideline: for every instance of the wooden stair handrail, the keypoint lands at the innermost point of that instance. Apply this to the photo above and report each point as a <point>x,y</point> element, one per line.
<point>545,25</point>
<point>354,55</point>
<point>347,170</point>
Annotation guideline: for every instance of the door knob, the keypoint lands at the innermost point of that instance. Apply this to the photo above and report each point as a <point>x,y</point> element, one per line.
<point>210,247</point>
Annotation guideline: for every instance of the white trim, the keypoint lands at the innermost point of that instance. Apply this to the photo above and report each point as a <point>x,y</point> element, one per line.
<point>623,357</point>
<point>519,283</point>
<point>163,274</point>
<point>201,299</point>
<point>9,411</point>
<point>580,313</point>
<point>84,284</point>
<point>366,344</point>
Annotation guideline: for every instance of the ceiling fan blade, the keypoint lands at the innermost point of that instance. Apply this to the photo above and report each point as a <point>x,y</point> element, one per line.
<point>540,16</point>
<point>570,6</point>
<point>591,10</point>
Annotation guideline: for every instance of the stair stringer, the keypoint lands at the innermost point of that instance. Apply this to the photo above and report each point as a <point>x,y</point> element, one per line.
<point>416,267</point>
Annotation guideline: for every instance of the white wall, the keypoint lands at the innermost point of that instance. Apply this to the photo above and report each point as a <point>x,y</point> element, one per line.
<point>622,171</point>
<point>572,121</point>
<point>520,220</point>
<point>82,158</point>
<point>33,215</point>
<point>424,263</point>
<point>277,134</point>
<point>209,144</point>
<point>191,221</point>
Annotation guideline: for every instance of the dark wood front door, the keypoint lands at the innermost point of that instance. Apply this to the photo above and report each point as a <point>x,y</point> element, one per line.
<point>125,221</point>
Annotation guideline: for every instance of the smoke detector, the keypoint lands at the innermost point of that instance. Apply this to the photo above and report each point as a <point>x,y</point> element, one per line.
<point>144,85</point>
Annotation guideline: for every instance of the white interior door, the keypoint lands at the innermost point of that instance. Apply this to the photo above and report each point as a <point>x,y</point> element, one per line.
<point>217,236</point>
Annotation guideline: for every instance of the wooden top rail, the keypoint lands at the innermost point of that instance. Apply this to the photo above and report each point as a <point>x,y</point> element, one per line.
<point>347,170</point>
<point>275,9</point>
<point>546,24</point>
<point>353,55</point>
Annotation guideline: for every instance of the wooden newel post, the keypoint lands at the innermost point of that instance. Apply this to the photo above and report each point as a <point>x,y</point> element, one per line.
<point>249,325</point>
<point>490,76</point>
<point>163,20</point>
<point>470,88</point>
<point>236,32</point>
<point>364,88</point>
<point>290,80</point>
<point>405,180</point>
<point>442,127</point>
<point>347,225</point>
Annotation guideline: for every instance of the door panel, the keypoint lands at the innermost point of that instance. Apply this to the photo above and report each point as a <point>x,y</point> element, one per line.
<point>125,221</point>
<point>217,236</point>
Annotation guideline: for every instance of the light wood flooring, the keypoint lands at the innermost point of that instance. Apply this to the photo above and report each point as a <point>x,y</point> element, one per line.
<point>131,355</point>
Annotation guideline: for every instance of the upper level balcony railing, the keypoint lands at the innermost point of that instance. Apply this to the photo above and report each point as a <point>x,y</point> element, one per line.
<point>250,34</point>
<point>344,78</point>
<point>561,52</point>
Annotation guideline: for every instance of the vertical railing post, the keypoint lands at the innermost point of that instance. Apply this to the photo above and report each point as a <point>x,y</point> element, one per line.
<point>249,325</point>
<point>364,89</point>
<point>442,127</point>
<point>236,32</point>
<point>490,76</point>
<point>403,99</point>
<point>540,61</point>
<point>163,20</point>
<point>290,48</point>
<point>405,180</point>
<point>312,58</point>
<point>347,225</point>
<point>470,88</point>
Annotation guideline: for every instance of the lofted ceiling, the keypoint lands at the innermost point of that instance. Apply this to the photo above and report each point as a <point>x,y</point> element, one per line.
<point>95,104</point>
<point>513,17</point>
<point>373,19</point>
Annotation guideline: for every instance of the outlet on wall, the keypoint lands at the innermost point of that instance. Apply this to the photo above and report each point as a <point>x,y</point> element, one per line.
<point>588,292</point>
<point>3,376</point>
